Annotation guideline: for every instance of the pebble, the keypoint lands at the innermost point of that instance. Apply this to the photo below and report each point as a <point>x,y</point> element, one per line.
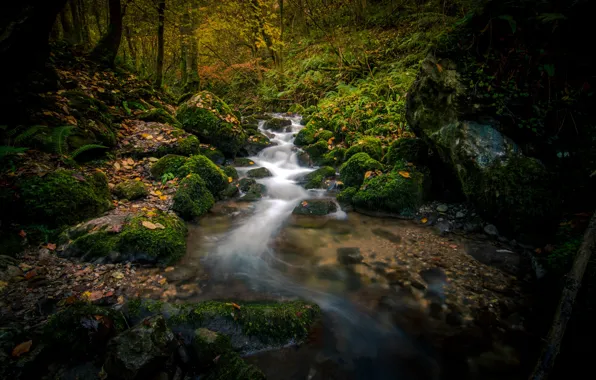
<point>459,215</point>
<point>442,208</point>
<point>491,230</point>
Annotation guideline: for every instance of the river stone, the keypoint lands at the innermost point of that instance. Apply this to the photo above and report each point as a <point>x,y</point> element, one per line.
<point>491,230</point>
<point>442,208</point>
<point>304,159</point>
<point>316,206</point>
<point>277,124</point>
<point>460,215</point>
<point>141,351</point>
<point>349,255</point>
<point>259,173</point>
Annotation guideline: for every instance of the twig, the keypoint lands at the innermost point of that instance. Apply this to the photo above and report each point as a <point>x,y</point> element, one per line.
<point>573,281</point>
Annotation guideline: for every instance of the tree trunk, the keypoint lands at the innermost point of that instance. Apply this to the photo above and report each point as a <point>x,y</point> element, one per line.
<point>161,10</point>
<point>77,34</point>
<point>131,47</point>
<point>192,58</point>
<point>185,32</point>
<point>107,48</point>
<point>66,24</point>
<point>84,18</point>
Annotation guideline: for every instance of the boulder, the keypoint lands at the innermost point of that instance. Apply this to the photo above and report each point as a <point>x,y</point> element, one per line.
<point>192,198</point>
<point>505,186</point>
<point>242,161</point>
<point>353,170</point>
<point>254,144</point>
<point>130,190</point>
<point>141,351</point>
<point>277,124</point>
<point>253,191</point>
<point>167,164</point>
<point>215,179</point>
<point>259,173</point>
<point>316,206</point>
<point>316,179</point>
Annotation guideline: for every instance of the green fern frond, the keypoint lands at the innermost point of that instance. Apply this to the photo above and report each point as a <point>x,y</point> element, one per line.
<point>8,150</point>
<point>59,136</point>
<point>85,148</point>
<point>28,134</point>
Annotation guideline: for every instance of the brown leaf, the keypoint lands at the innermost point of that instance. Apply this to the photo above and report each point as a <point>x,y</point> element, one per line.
<point>423,220</point>
<point>148,224</point>
<point>21,349</point>
<point>51,246</point>
<point>440,68</point>
<point>22,234</point>
<point>404,174</point>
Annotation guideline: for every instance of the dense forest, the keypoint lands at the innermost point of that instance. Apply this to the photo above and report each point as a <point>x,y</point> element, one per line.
<point>296,189</point>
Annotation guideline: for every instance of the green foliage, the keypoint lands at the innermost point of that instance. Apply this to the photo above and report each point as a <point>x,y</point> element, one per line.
<point>369,145</point>
<point>346,195</point>
<point>10,150</point>
<point>158,115</point>
<point>231,172</point>
<point>85,148</point>
<point>215,179</point>
<point>405,149</point>
<point>167,177</point>
<point>58,138</point>
<point>169,163</point>
<point>193,198</point>
<point>353,170</point>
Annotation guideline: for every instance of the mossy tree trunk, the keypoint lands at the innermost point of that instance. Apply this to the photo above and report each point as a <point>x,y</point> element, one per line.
<point>161,10</point>
<point>77,28</point>
<point>107,48</point>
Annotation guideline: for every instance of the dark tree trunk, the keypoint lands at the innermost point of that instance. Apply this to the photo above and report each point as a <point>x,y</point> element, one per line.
<point>77,34</point>
<point>66,25</point>
<point>107,48</point>
<point>185,31</point>
<point>131,47</point>
<point>161,10</point>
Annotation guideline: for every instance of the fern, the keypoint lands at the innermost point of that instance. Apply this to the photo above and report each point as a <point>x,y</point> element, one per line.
<point>28,134</point>
<point>85,148</point>
<point>126,108</point>
<point>8,150</point>
<point>59,136</point>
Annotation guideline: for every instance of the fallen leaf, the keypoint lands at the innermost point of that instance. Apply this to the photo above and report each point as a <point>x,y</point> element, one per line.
<point>116,166</point>
<point>95,295</point>
<point>169,269</point>
<point>304,203</point>
<point>86,294</point>
<point>368,174</point>
<point>148,224</point>
<point>424,220</point>
<point>163,197</point>
<point>251,163</point>
<point>21,349</point>
<point>234,305</point>
<point>404,174</point>
<point>160,226</point>
<point>230,179</point>
<point>51,246</point>
<point>158,193</point>
<point>120,300</point>
<point>117,275</point>
<point>29,275</point>
<point>22,234</point>
<point>440,68</point>
<point>162,281</point>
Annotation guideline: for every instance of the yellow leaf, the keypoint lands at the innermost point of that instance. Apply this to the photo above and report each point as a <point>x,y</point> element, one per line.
<point>148,224</point>
<point>251,163</point>
<point>21,349</point>
<point>163,197</point>
<point>304,203</point>
<point>368,174</point>
<point>404,174</point>
<point>86,294</point>
<point>424,220</point>
<point>147,136</point>
<point>138,179</point>
<point>230,179</point>
<point>151,214</point>
<point>162,281</point>
<point>158,193</point>
<point>440,68</point>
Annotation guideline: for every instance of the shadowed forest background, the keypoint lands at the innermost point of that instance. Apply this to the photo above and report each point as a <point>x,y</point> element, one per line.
<point>458,133</point>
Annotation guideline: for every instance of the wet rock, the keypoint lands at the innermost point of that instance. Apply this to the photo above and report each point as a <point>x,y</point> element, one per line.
<point>130,190</point>
<point>491,230</point>
<point>502,259</point>
<point>259,173</point>
<point>316,206</point>
<point>385,234</point>
<point>242,161</point>
<point>304,159</point>
<point>255,143</point>
<point>460,215</point>
<point>444,227</point>
<point>349,255</point>
<point>254,191</point>
<point>472,227</point>
<point>141,351</point>
<point>442,208</point>
<point>277,124</point>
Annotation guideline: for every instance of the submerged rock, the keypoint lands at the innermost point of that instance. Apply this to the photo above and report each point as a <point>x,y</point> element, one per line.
<point>193,198</point>
<point>315,206</point>
<point>277,124</point>
<point>316,179</point>
<point>259,173</point>
<point>349,255</point>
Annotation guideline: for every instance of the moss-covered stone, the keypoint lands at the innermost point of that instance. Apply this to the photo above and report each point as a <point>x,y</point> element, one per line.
<point>306,136</point>
<point>231,172</point>
<point>164,245</point>
<point>242,161</point>
<point>82,329</point>
<point>316,179</point>
<point>63,197</point>
<point>317,151</point>
<point>215,179</point>
<point>316,206</point>
<point>185,146</point>
<point>352,171</point>
<point>323,135</point>
<point>158,115</point>
<point>253,191</point>
<point>346,195</point>
<point>406,149</point>
<point>193,198</point>
<point>259,173</point>
<point>277,124</point>
<point>369,145</point>
<point>131,190</point>
<point>170,163</point>
<point>255,143</point>
<point>230,191</point>
<point>210,118</point>
<point>213,154</point>
<point>401,191</point>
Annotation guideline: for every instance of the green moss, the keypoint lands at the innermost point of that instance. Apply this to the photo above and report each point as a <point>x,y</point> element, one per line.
<point>518,195</point>
<point>306,136</point>
<point>315,179</point>
<point>259,173</point>
<point>317,150</point>
<point>242,161</point>
<point>215,179</point>
<point>323,135</point>
<point>170,163</point>
<point>82,329</point>
<point>64,197</point>
<point>231,366</point>
<point>192,199</point>
<point>346,195</point>
<point>131,190</point>
<point>393,192</point>
<point>369,145</point>
<point>277,124</point>
<point>405,149</point>
<point>208,117</point>
<point>231,172</point>
<point>352,171</point>
<point>164,245</point>
<point>158,115</point>
<point>186,146</point>
<point>214,155</point>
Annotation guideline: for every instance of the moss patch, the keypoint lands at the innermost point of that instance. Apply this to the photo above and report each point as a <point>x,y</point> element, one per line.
<point>185,146</point>
<point>64,197</point>
<point>352,171</point>
<point>315,180</point>
<point>406,149</point>
<point>231,172</point>
<point>158,115</point>
<point>192,199</point>
<point>167,164</point>
<point>369,145</point>
<point>259,173</point>
<point>130,190</point>
<point>215,179</point>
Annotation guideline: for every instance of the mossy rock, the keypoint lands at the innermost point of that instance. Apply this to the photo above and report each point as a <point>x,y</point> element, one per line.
<point>242,161</point>
<point>82,330</point>
<point>317,151</point>
<point>406,149</point>
<point>401,191</point>
<point>334,157</point>
<point>212,120</point>
<point>346,195</point>
<point>306,136</point>
<point>230,191</point>
<point>323,135</point>
<point>64,197</point>
<point>353,170</point>
<point>277,124</point>
<point>169,163</point>
<point>231,172</point>
<point>213,154</point>
<point>158,115</point>
<point>369,145</point>
<point>164,244</point>
<point>255,143</point>
<point>131,190</point>
<point>215,179</point>
<point>246,183</point>
<point>253,191</point>
<point>315,206</point>
<point>185,146</point>
<point>193,198</point>
<point>316,179</point>
<point>259,173</point>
